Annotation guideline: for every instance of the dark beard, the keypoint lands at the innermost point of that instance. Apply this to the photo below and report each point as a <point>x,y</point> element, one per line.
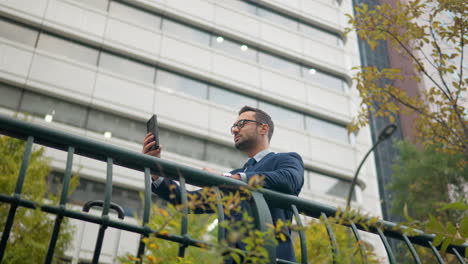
<point>245,144</point>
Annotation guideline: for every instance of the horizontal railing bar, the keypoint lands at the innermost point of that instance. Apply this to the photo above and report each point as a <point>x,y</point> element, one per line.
<point>109,222</point>
<point>282,261</point>
<point>138,161</point>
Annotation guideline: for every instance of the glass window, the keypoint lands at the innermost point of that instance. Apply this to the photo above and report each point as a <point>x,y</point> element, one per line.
<point>120,127</point>
<point>10,96</point>
<point>128,199</point>
<point>234,48</point>
<point>186,32</point>
<point>278,18</point>
<point>126,67</point>
<point>280,64</point>
<point>100,4</point>
<point>18,33</point>
<point>182,84</point>
<point>231,99</point>
<point>135,15</point>
<point>323,79</point>
<point>327,129</point>
<point>241,5</point>
<point>320,183</point>
<point>56,109</point>
<point>321,35</point>
<point>68,49</point>
<point>283,116</point>
<point>182,144</point>
<point>224,156</point>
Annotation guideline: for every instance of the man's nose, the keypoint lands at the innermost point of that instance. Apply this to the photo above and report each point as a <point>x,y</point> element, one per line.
<point>235,130</point>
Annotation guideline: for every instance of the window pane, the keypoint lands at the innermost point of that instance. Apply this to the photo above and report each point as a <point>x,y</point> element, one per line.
<point>126,67</point>
<point>119,126</point>
<point>323,79</point>
<point>231,99</point>
<point>100,4</point>
<point>279,64</point>
<point>321,183</point>
<point>321,35</point>
<point>18,33</point>
<point>182,144</point>
<point>182,84</point>
<point>128,199</point>
<point>234,48</point>
<point>135,15</point>
<point>61,111</point>
<point>68,49</point>
<point>186,32</point>
<point>283,116</point>
<point>224,156</point>
<point>10,96</point>
<point>278,18</point>
<point>240,5</point>
<point>327,129</point>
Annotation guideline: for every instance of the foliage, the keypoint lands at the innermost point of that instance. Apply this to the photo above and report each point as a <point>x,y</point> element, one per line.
<point>446,232</point>
<point>32,228</point>
<point>424,178</point>
<point>319,248</point>
<point>433,34</point>
<point>166,221</point>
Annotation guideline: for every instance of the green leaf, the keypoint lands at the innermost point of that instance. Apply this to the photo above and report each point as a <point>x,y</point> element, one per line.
<point>457,206</point>
<point>438,240</point>
<point>464,227</point>
<point>434,225</point>
<point>445,245</point>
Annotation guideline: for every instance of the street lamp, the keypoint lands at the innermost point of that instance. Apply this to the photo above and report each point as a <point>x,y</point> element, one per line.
<point>384,135</point>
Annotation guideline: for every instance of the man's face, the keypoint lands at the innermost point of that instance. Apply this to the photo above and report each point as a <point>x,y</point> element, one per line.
<point>246,137</point>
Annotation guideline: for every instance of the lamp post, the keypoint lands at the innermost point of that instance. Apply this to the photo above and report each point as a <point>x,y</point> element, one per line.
<point>383,135</point>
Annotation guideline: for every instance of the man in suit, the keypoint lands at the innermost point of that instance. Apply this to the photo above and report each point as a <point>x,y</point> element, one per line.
<point>282,172</point>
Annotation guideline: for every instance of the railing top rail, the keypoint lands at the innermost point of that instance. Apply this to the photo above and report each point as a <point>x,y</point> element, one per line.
<point>130,159</point>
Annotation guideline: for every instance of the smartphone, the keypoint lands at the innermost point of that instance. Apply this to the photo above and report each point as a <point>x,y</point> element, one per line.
<point>152,127</point>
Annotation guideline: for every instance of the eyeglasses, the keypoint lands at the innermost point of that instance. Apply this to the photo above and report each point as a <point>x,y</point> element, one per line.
<point>241,123</point>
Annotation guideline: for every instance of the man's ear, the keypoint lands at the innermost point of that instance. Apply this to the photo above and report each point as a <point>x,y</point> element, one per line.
<point>264,129</point>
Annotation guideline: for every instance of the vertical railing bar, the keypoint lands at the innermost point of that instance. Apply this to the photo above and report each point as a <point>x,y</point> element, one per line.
<point>63,201</point>
<point>302,235</point>
<point>184,223</point>
<point>436,252</point>
<point>17,194</point>
<point>105,212</point>
<point>391,257</point>
<point>146,209</point>
<point>360,242</point>
<point>332,238</point>
<point>219,206</point>
<point>459,257</point>
<point>412,249</point>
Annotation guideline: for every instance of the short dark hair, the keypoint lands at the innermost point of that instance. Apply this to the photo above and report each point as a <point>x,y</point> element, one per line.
<point>261,117</point>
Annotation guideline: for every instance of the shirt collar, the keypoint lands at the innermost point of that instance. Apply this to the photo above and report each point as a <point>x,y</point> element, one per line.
<point>260,155</point>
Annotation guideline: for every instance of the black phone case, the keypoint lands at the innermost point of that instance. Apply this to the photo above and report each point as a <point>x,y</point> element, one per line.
<point>152,127</point>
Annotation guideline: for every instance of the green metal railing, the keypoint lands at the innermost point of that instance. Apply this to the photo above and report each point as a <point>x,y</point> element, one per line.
<point>113,155</point>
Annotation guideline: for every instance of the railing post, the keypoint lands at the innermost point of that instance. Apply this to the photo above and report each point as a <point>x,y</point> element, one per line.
<point>63,202</point>
<point>302,235</point>
<point>334,244</point>
<point>146,210</point>
<point>184,224</point>
<point>105,212</point>
<point>262,216</point>
<point>17,196</point>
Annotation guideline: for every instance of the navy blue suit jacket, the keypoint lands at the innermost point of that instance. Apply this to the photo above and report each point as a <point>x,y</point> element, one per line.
<point>283,172</point>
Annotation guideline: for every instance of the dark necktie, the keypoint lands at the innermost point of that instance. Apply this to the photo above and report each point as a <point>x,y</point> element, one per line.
<point>249,164</point>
